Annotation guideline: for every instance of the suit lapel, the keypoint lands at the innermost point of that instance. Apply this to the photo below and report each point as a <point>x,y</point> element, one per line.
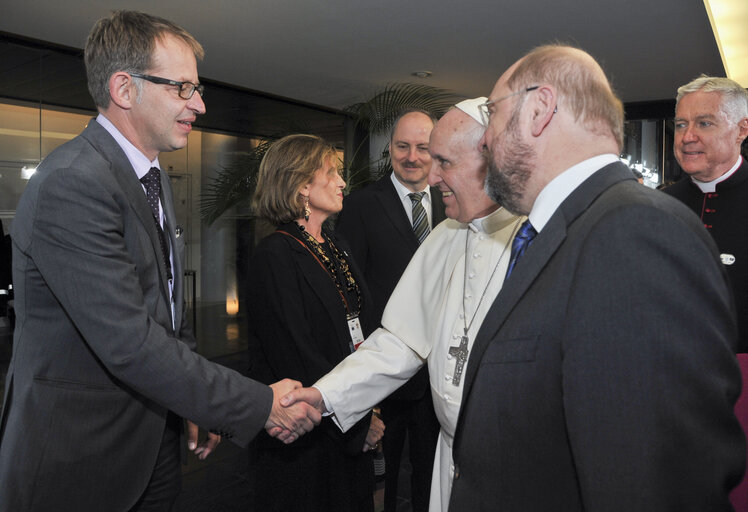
<point>393,209</point>
<point>534,260</point>
<point>321,283</point>
<point>545,245</point>
<point>167,198</point>
<point>133,190</point>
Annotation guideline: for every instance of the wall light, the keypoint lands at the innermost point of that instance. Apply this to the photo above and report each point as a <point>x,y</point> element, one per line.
<point>232,306</point>
<point>729,19</point>
<point>422,74</point>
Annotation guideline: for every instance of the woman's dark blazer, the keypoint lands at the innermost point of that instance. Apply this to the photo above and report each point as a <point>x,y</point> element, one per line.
<point>298,329</point>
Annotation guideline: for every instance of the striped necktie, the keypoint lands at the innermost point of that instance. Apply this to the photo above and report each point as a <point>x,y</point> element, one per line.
<point>420,221</point>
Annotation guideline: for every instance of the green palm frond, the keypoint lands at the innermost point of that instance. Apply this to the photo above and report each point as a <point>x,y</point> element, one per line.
<point>378,113</point>
<point>232,184</point>
<point>360,175</point>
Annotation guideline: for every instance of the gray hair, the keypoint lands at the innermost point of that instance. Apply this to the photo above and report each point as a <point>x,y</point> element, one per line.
<point>734,97</point>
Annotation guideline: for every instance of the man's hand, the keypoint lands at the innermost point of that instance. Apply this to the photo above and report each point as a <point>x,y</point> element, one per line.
<point>312,396</point>
<point>376,431</point>
<point>206,447</point>
<point>289,421</point>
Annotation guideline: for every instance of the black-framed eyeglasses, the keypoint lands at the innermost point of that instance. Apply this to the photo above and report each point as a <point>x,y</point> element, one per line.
<point>186,89</point>
<point>485,112</point>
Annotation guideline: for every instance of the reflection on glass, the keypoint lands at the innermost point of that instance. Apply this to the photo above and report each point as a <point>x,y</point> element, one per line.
<point>642,150</point>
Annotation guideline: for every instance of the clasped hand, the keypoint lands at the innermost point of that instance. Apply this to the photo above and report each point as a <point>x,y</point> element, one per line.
<point>313,399</point>
<point>290,419</point>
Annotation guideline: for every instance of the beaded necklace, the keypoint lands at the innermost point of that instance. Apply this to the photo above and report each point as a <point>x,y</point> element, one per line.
<point>334,268</point>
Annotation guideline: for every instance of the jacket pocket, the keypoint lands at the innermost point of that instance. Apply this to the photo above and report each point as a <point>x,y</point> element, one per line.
<point>75,385</point>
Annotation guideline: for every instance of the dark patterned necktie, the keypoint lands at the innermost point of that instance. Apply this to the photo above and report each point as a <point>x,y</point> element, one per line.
<point>152,183</point>
<point>420,221</point>
<point>521,242</point>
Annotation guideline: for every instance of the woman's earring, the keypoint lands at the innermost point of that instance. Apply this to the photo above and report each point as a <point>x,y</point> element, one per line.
<point>307,211</point>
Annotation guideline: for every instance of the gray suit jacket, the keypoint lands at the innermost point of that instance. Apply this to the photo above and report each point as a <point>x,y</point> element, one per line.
<point>96,363</point>
<point>603,377</point>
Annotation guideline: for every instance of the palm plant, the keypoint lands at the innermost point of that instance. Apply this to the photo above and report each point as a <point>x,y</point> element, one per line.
<point>236,182</point>
<point>377,114</point>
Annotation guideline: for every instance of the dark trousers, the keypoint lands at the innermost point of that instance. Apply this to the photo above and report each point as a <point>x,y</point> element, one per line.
<point>416,420</point>
<point>166,480</point>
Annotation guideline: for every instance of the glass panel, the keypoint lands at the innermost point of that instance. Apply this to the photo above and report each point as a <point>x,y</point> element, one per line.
<point>642,150</point>
<point>21,147</point>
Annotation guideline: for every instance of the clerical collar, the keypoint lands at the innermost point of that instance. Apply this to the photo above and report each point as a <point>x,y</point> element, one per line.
<point>492,222</point>
<point>138,160</point>
<point>708,187</point>
<point>560,187</point>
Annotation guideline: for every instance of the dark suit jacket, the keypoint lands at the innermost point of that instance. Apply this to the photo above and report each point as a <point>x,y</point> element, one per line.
<point>298,329</point>
<point>382,241</point>
<point>603,378</point>
<point>5,259</point>
<point>96,363</point>
<point>724,214</point>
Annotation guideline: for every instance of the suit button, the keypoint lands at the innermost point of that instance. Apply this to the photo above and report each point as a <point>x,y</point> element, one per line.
<point>457,471</point>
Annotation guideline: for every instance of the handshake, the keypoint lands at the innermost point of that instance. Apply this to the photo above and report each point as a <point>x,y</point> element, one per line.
<point>296,410</point>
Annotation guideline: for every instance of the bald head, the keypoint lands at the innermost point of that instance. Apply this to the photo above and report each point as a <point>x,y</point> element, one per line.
<point>550,110</point>
<point>459,168</point>
<point>581,83</point>
<point>409,153</point>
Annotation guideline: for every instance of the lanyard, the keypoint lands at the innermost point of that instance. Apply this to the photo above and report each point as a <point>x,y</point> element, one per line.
<point>345,302</point>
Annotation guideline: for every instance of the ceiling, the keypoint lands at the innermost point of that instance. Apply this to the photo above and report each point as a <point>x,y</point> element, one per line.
<point>334,53</point>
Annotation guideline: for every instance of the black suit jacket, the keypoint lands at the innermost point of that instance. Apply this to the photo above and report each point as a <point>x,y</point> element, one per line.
<point>298,329</point>
<point>96,362</point>
<point>603,378</point>
<point>382,241</point>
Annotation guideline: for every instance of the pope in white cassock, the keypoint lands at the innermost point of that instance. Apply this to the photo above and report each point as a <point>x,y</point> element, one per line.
<point>439,304</point>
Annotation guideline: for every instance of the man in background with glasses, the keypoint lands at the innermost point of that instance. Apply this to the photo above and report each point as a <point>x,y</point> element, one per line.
<point>103,366</point>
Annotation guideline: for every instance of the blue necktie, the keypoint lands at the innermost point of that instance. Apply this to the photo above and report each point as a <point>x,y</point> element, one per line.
<point>522,241</point>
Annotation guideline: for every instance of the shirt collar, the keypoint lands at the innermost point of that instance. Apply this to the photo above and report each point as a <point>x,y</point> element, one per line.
<point>560,187</point>
<point>403,191</point>
<point>138,160</point>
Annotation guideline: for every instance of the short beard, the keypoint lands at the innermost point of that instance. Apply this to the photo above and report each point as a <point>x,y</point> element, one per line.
<point>506,181</point>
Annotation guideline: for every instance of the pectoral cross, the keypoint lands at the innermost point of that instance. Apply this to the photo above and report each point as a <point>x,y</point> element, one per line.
<point>461,353</point>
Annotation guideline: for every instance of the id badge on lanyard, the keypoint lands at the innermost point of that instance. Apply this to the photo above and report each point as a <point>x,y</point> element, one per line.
<point>356,332</point>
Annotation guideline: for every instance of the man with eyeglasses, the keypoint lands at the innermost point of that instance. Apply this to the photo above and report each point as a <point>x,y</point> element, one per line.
<point>103,365</point>
<point>603,377</point>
